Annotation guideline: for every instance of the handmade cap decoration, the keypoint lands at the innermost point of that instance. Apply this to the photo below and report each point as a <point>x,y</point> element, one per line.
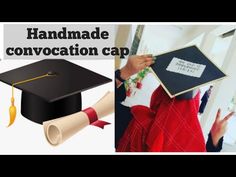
<point>181,72</point>
<point>51,88</point>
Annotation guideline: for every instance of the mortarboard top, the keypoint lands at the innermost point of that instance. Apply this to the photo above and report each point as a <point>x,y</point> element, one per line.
<point>55,96</point>
<point>182,71</point>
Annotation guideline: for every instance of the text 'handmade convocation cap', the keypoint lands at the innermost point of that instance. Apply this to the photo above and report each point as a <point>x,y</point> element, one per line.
<point>184,70</point>
<point>54,96</point>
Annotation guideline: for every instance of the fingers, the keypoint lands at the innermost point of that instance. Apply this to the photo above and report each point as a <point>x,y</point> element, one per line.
<point>139,62</point>
<point>228,116</point>
<point>143,65</point>
<point>149,63</point>
<point>147,60</point>
<point>142,58</point>
<point>146,64</point>
<point>218,115</point>
<point>147,56</point>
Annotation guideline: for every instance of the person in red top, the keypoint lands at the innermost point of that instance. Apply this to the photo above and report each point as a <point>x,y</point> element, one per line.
<point>169,125</point>
<point>165,126</point>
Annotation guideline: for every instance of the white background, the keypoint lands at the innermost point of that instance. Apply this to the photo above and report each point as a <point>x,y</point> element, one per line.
<point>27,137</point>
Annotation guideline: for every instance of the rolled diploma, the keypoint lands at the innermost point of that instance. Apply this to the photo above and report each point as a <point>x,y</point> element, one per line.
<point>60,129</point>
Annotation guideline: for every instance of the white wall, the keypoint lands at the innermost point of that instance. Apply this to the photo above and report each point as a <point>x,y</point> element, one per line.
<point>223,91</point>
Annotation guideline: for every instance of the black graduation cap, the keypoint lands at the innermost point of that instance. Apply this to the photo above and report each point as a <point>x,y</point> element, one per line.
<point>182,71</point>
<point>54,96</point>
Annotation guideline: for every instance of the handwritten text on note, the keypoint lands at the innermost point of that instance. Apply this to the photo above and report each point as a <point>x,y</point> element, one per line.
<point>185,67</point>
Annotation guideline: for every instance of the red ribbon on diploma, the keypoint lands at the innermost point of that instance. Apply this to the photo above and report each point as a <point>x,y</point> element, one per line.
<point>93,118</point>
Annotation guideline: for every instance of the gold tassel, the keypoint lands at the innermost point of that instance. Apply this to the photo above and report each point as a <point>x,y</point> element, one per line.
<point>12,109</point>
<point>12,112</point>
